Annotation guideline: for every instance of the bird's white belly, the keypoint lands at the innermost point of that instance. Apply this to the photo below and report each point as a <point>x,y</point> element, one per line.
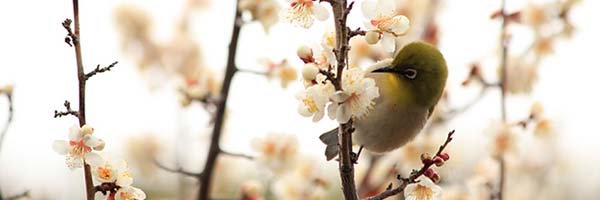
<point>389,125</point>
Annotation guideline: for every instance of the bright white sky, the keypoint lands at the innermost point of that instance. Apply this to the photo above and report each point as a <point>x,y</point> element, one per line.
<point>34,57</point>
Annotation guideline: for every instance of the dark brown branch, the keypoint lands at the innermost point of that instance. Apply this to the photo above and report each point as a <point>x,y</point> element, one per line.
<point>357,31</point>
<point>100,70</point>
<point>341,9</point>
<point>236,155</point>
<point>214,148</point>
<point>68,111</point>
<point>414,175</point>
<point>178,170</point>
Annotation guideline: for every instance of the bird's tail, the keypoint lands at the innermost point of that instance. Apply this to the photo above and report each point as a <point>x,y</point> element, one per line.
<point>330,138</point>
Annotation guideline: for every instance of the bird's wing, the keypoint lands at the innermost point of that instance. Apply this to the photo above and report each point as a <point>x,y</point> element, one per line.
<point>330,138</point>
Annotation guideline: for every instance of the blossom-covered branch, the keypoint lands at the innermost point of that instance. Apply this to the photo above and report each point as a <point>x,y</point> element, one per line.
<point>115,177</point>
<point>438,159</point>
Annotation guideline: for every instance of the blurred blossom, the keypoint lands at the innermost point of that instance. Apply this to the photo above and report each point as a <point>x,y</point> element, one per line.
<point>264,11</point>
<point>302,182</point>
<point>141,151</point>
<point>198,87</point>
<point>278,152</point>
<point>521,76</point>
<point>544,128</point>
<point>504,139</point>
<point>424,189</point>
<point>357,98</point>
<point>536,15</point>
<point>7,89</point>
<point>79,147</point>
<point>328,44</point>
<point>383,19</point>
<point>303,13</point>
<point>284,71</point>
<point>252,190</point>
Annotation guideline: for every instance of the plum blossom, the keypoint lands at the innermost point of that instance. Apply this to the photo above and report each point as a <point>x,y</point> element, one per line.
<point>424,189</point>
<point>313,100</point>
<point>303,13</point>
<point>384,20</point>
<point>79,147</point>
<point>116,171</point>
<point>356,99</point>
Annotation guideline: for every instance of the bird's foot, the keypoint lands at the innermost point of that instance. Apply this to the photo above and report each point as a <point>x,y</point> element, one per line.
<point>355,156</point>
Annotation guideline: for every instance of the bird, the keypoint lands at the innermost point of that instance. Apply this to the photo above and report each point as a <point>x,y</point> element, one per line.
<point>410,85</point>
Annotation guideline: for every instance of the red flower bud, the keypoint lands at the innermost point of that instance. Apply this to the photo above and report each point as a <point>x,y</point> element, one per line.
<point>445,156</point>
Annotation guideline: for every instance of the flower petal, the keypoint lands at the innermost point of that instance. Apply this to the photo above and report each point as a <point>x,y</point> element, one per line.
<point>331,110</point>
<point>340,96</point>
<point>91,140</point>
<point>402,26</point>
<point>385,7</point>
<point>124,179</point>
<point>369,9</point>
<point>343,114</point>
<point>388,41</point>
<point>93,159</point>
<point>75,133</point>
<point>61,147</point>
<point>319,11</point>
<point>318,116</point>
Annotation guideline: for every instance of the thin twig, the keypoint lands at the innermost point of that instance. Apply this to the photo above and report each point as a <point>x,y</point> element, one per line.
<point>6,125</point>
<point>178,170</point>
<point>68,111</point>
<point>214,149</point>
<point>414,175</point>
<point>100,70</point>
<point>236,155</point>
<point>250,71</point>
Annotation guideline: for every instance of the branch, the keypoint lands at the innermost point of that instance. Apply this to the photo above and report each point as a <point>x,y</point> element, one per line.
<point>214,148</point>
<point>7,125</point>
<point>69,111</point>
<point>237,155</point>
<point>100,70</point>
<point>357,31</point>
<point>413,176</point>
<point>504,41</point>
<point>179,170</point>
<point>249,71</point>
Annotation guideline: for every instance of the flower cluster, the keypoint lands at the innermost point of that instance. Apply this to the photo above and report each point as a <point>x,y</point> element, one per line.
<point>116,173</point>
<point>112,174</point>
<point>354,101</point>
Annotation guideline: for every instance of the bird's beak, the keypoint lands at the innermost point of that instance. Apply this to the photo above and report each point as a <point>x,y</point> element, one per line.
<point>386,69</point>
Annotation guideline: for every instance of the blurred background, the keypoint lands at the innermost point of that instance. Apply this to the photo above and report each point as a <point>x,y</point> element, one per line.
<point>173,52</point>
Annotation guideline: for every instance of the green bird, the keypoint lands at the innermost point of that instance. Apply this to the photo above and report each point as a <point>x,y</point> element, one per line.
<point>409,87</point>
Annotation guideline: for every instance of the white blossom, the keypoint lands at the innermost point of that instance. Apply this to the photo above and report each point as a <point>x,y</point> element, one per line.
<point>79,147</point>
<point>383,19</point>
<point>313,100</point>
<point>304,12</point>
<point>356,99</point>
<point>424,189</point>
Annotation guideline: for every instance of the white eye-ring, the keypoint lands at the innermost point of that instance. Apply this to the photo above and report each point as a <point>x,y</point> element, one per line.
<point>410,73</point>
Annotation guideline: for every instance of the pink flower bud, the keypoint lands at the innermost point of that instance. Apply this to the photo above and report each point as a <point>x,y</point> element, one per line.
<point>426,158</point>
<point>445,156</point>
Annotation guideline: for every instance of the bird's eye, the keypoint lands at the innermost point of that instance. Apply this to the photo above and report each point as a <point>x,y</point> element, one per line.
<point>410,73</point>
